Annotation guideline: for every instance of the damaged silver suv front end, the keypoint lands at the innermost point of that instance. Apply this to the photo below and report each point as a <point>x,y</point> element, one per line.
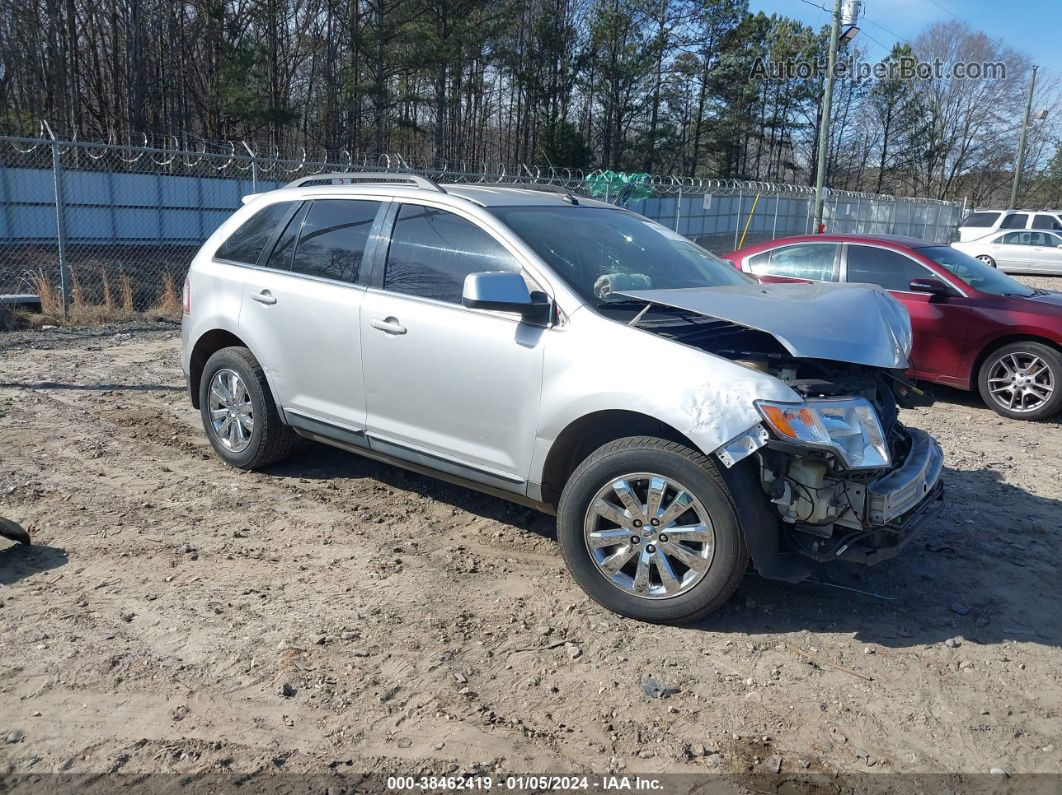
<point>845,479</point>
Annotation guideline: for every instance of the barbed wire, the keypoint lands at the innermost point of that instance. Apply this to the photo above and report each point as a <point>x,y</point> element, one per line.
<point>241,156</point>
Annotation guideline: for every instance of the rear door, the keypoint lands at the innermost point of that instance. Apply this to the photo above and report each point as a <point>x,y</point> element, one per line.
<point>447,386</point>
<point>1046,256</point>
<point>941,325</point>
<point>302,310</point>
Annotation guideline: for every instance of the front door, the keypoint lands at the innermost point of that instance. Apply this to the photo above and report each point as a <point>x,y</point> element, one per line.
<point>446,386</point>
<point>303,312</point>
<point>1013,251</point>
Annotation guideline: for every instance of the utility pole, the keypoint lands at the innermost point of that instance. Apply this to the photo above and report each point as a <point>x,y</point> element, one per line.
<point>824,122</point>
<point>1021,142</point>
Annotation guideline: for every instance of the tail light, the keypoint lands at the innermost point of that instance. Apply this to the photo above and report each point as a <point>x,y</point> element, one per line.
<point>187,295</point>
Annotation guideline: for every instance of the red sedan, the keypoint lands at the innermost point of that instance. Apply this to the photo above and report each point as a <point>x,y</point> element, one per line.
<point>974,327</point>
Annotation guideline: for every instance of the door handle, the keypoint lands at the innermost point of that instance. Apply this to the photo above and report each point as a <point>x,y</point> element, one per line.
<point>388,326</point>
<point>264,297</point>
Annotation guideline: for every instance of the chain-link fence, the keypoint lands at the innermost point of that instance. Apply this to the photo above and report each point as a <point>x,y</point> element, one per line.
<point>100,224</point>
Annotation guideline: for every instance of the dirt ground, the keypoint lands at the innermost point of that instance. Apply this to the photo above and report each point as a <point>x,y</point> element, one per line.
<point>334,614</point>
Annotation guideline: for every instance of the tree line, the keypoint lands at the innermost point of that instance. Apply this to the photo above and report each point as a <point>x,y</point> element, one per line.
<point>664,86</point>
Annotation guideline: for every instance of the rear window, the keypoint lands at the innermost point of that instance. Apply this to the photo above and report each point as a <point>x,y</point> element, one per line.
<point>246,243</point>
<point>1044,221</point>
<point>981,219</point>
<point>815,261</point>
<point>333,238</point>
<point>1015,221</point>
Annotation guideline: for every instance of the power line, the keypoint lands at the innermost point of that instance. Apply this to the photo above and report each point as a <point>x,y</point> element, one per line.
<point>816,5</point>
<point>945,10</point>
<point>879,25</point>
<point>886,49</point>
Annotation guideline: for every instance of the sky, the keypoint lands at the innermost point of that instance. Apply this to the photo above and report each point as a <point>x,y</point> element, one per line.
<point>1028,25</point>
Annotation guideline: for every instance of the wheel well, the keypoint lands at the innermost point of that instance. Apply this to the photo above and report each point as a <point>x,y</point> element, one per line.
<point>205,347</point>
<point>588,433</point>
<point>996,344</point>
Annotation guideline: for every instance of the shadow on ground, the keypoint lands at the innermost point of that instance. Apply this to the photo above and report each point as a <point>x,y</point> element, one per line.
<point>972,400</point>
<point>321,462</point>
<point>94,387</point>
<point>985,575</point>
<point>18,561</point>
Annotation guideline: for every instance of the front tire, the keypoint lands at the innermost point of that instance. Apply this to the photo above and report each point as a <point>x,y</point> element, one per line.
<point>238,411</point>
<point>987,260</point>
<point>648,529</point>
<point>1022,381</point>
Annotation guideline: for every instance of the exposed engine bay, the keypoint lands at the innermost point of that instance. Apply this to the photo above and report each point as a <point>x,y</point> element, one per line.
<point>830,509</point>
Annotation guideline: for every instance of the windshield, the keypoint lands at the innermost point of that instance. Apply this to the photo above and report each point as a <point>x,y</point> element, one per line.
<point>974,272</point>
<point>601,251</point>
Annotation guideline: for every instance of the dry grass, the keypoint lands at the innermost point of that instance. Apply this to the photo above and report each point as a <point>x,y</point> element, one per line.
<point>51,297</point>
<point>169,305</point>
<point>9,318</point>
<point>81,312</point>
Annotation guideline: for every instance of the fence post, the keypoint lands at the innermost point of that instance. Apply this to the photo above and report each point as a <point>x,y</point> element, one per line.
<point>737,220</point>
<point>60,223</point>
<point>254,166</point>
<point>678,211</point>
<point>774,228</point>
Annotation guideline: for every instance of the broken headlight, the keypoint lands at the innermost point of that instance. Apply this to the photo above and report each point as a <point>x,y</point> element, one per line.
<point>848,426</point>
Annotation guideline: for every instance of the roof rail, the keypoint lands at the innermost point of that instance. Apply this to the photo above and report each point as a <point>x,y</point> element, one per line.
<point>542,187</point>
<point>372,177</point>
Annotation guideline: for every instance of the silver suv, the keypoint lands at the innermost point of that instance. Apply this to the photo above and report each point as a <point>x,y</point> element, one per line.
<point>678,417</point>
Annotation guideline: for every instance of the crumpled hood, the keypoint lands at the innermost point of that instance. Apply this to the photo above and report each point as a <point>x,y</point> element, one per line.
<point>846,323</point>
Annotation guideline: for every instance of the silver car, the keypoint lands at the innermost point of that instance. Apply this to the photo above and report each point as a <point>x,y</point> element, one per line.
<point>1018,251</point>
<point>676,416</point>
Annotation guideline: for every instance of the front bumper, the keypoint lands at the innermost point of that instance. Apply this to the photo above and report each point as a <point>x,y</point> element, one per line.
<point>894,507</point>
<point>899,492</point>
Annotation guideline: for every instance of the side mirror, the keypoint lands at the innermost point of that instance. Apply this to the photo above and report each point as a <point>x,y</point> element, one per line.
<point>934,287</point>
<point>505,292</point>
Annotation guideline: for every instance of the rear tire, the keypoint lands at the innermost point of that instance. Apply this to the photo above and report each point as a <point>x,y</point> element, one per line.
<point>238,411</point>
<point>651,581</point>
<point>1022,381</point>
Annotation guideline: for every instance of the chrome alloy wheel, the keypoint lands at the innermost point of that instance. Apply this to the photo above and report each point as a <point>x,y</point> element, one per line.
<point>987,260</point>
<point>649,536</point>
<point>1021,382</point>
<point>231,412</point>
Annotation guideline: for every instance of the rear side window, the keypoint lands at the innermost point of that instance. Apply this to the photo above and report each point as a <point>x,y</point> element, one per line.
<point>981,219</point>
<point>758,262</point>
<point>432,251</point>
<point>1015,221</point>
<point>1044,221</point>
<point>816,261</point>
<point>333,238</point>
<point>280,256</point>
<point>246,243</point>
<point>1028,239</point>
<point>888,269</point>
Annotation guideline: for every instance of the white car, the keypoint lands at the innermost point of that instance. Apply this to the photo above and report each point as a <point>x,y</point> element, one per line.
<point>981,223</point>
<point>1018,251</point>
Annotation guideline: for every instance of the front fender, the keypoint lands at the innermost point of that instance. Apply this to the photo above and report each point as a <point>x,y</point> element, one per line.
<point>600,365</point>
